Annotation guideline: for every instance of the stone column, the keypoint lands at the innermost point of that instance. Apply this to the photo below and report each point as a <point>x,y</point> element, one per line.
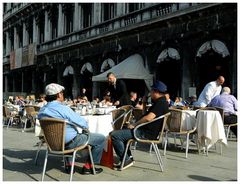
<point>80,16</point>
<point>8,6</point>
<point>8,43</point>
<point>120,9</point>
<point>25,35</point>
<point>16,44</point>
<point>96,13</point>
<point>35,31</point>
<point>46,27</point>
<point>125,8</point>
<point>76,17</point>
<point>60,21</point>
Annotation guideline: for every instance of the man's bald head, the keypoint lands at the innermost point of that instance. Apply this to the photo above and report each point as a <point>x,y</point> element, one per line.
<point>220,80</point>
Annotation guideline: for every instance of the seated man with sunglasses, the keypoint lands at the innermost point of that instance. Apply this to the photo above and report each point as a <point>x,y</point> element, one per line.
<point>55,109</point>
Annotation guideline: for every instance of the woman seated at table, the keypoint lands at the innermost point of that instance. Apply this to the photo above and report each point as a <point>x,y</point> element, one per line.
<point>80,100</point>
<point>106,101</point>
<point>179,102</point>
<point>41,101</point>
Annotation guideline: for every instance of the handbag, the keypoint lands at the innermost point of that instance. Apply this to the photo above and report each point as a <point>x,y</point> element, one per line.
<point>107,156</point>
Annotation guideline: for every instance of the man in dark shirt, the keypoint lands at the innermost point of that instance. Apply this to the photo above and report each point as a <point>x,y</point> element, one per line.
<point>136,104</point>
<point>118,91</point>
<point>149,131</point>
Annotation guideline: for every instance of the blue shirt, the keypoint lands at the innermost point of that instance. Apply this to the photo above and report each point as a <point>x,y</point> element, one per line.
<point>55,109</point>
<point>226,101</point>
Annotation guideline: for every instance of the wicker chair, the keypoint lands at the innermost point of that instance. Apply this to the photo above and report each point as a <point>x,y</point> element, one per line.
<point>128,113</point>
<point>54,135</point>
<point>148,141</point>
<point>30,114</point>
<point>8,116</point>
<point>118,118</point>
<point>36,108</point>
<point>227,128</point>
<point>174,127</point>
<point>137,114</point>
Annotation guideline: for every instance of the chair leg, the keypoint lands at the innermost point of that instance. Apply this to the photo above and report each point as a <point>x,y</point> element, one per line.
<point>158,156</point>
<point>175,141</point>
<point>182,142</point>
<point>197,143</point>
<point>25,125</point>
<point>37,154</point>
<point>72,166</point>
<point>91,158</point>
<point>228,131</point>
<point>135,145</point>
<point>150,149</point>
<point>187,145</point>
<point>165,144</point>
<point>10,121</point>
<point>45,165</point>
<point>125,154</point>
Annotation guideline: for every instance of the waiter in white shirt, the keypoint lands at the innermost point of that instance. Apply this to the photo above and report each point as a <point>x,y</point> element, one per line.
<point>211,90</point>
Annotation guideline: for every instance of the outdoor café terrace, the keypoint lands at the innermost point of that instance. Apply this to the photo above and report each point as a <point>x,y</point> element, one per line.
<point>19,150</point>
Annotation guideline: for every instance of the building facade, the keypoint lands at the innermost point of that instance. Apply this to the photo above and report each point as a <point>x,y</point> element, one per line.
<point>184,45</point>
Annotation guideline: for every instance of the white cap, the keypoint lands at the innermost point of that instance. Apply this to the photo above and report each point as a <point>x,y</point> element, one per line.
<point>53,88</point>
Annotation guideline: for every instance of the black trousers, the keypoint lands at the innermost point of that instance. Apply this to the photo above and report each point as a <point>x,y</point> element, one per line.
<point>231,119</point>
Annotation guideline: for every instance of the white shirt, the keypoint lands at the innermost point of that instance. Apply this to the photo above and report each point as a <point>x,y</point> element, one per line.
<point>68,70</point>
<point>208,93</point>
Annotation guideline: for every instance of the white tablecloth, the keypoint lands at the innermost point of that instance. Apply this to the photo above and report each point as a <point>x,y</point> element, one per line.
<point>188,118</point>
<point>210,128</point>
<point>99,123</point>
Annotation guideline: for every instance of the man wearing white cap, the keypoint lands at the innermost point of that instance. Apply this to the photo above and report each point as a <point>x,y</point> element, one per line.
<point>55,109</point>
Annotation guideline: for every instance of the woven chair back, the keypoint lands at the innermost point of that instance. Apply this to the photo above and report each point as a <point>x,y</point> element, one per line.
<point>129,109</point>
<point>54,133</point>
<point>118,118</point>
<point>137,113</point>
<point>174,121</point>
<point>29,110</point>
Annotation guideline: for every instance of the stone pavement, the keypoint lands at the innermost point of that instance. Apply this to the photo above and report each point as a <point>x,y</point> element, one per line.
<point>19,149</point>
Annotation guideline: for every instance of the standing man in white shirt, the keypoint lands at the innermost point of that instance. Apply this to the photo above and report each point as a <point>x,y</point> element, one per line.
<point>211,90</point>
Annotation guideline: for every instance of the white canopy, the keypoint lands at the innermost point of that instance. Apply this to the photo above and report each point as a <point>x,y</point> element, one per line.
<point>216,45</point>
<point>87,66</point>
<point>130,68</point>
<point>168,52</point>
<point>108,62</point>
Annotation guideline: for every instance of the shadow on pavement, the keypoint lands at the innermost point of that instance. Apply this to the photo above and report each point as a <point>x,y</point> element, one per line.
<point>201,178</point>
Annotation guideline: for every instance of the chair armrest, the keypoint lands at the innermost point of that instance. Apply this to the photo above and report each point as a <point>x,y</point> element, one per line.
<point>118,118</point>
<point>143,124</point>
<point>84,131</point>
